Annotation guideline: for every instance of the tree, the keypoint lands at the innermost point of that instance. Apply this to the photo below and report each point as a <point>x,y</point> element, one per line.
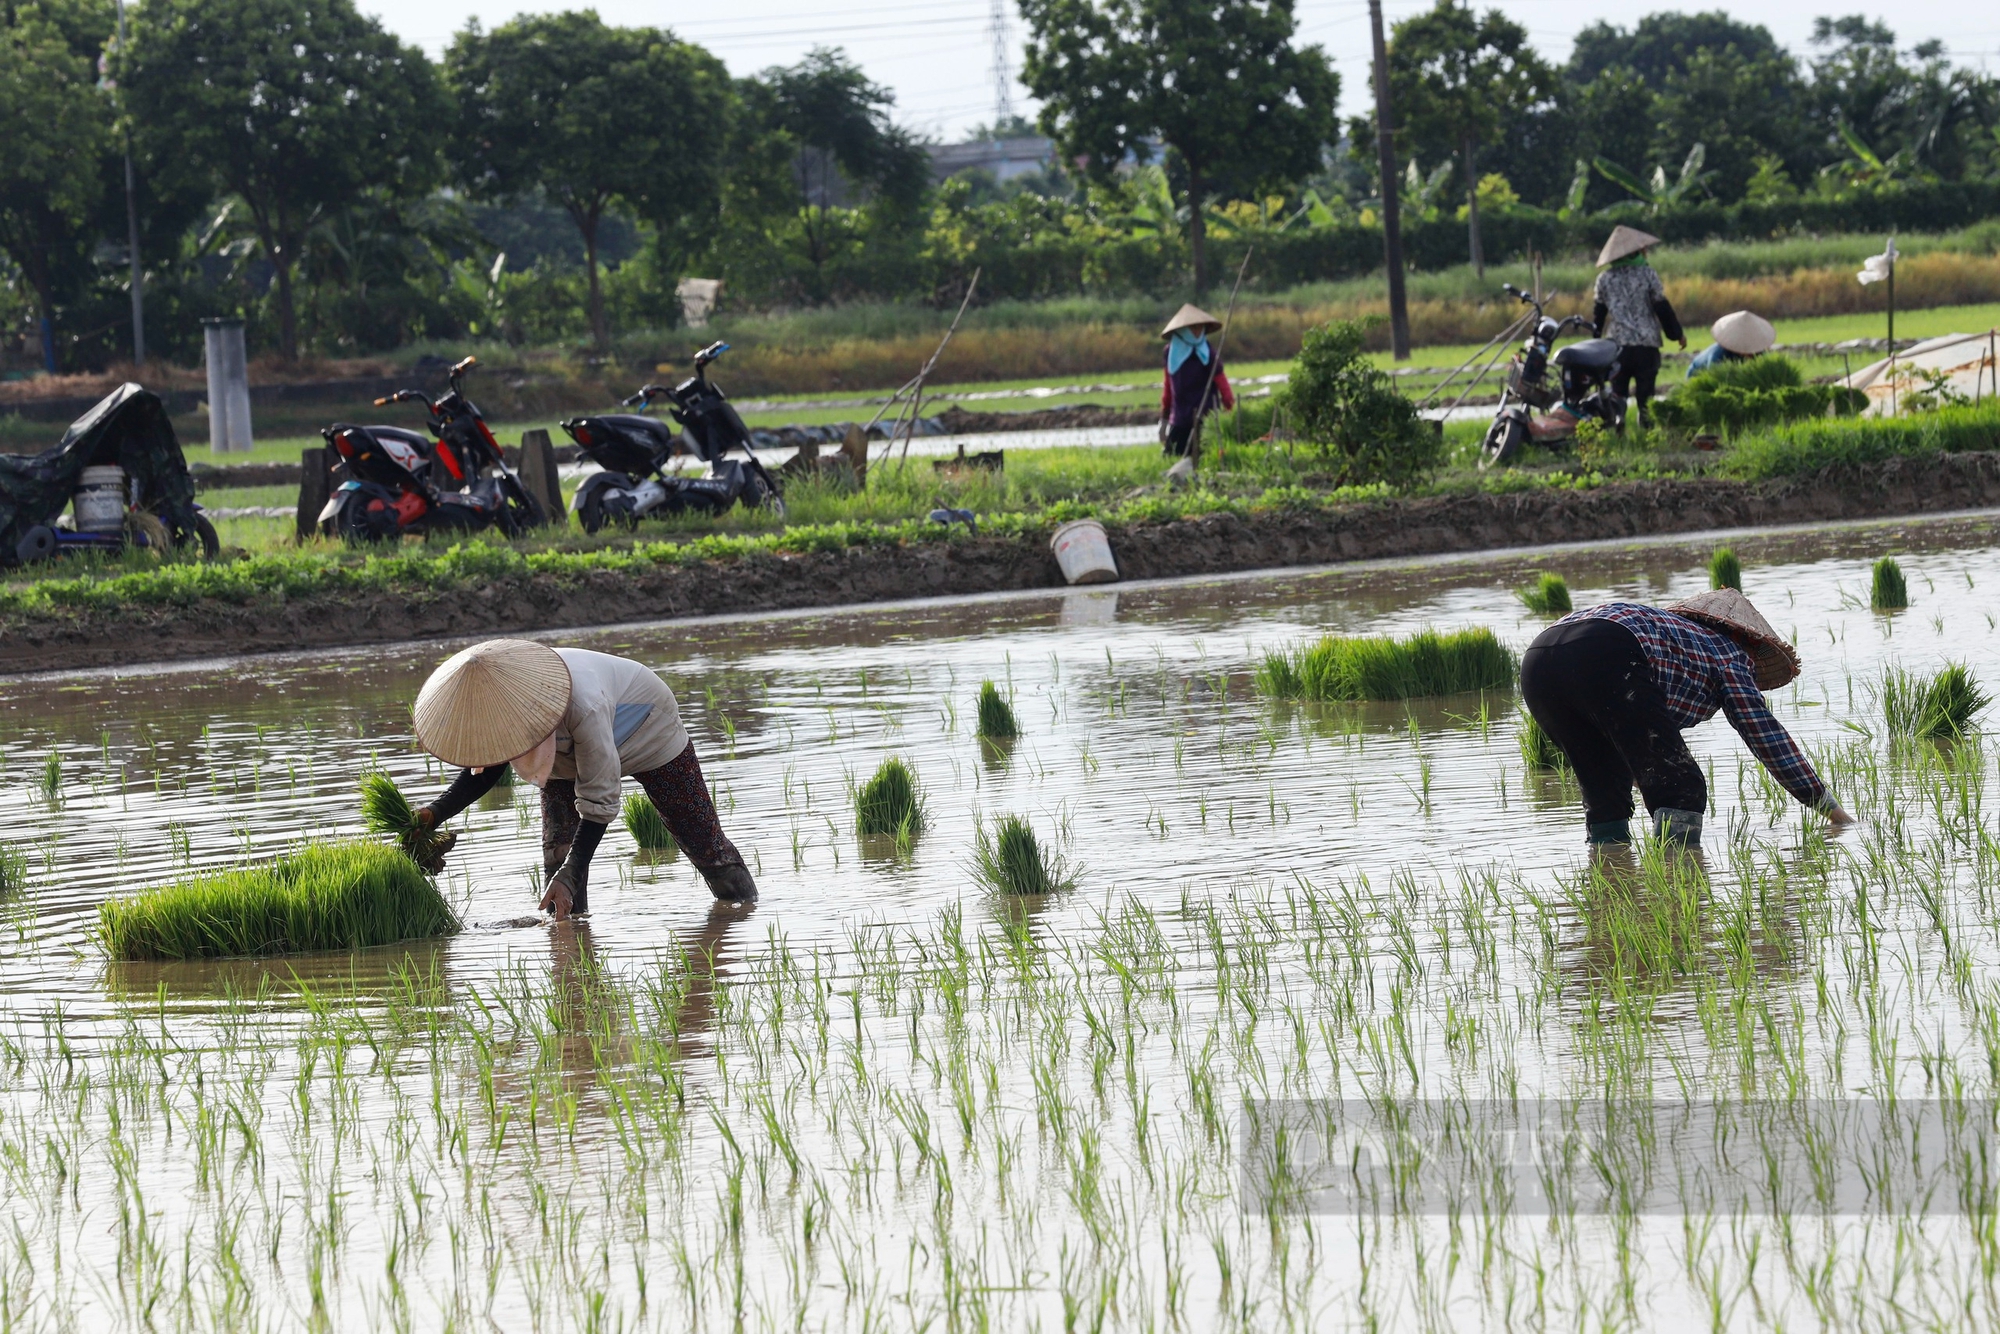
<point>54,130</point>
<point>1661,45</point>
<point>1218,81</point>
<point>294,106</point>
<point>1741,109</point>
<point>1459,80</point>
<point>591,117</point>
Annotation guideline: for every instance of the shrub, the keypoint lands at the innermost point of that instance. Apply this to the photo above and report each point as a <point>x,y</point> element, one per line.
<point>1931,708</point>
<point>1724,570</point>
<point>345,895</point>
<point>1538,748</point>
<point>1547,596</point>
<point>642,820</point>
<point>1887,590</point>
<point>890,802</point>
<point>996,716</point>
<point>1013,861</point>
<point>1427,663</point>
<point>1337,401</point>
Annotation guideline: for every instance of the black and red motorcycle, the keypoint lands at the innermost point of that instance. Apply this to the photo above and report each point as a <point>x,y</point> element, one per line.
<point>455,479</point>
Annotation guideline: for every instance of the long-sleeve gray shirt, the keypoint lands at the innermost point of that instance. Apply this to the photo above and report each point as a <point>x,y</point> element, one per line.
<point>621,720</point>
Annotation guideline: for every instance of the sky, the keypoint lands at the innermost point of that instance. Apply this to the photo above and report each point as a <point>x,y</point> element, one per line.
<point>937,56</point>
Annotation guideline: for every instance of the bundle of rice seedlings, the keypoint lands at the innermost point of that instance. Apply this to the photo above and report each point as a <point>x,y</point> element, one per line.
<point>1547,596</point>
<point>890,802</point>
<point>1427,663</point>
<point>1538,748</point>
<point>645,824</point>
<point>996,715</point>
<point>1724,570</point>
<point>328,896</point>
<point>1931,708</point>
<point>51,779</point>
<point>1012,860</point>
<point>13,870</point>
<point>1888,591</point>
<point>388,813</point>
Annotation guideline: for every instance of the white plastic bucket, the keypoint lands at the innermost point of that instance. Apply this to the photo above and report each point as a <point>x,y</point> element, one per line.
<point>1084,553</point>
<point>100,500</point>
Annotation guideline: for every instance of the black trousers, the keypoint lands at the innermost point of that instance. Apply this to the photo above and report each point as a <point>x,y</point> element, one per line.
<point>1588,684</point>
<point>1638,375</point>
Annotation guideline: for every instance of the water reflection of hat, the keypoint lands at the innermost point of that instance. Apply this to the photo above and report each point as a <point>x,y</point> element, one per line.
<point>1624,241</point>
<point>1191,317</point>
<point>1743,333</point>
<point>1728,611</point>
<point>492,702</point>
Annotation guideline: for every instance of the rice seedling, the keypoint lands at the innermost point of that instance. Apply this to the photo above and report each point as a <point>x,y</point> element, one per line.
<point>996,716</point>
<point>1538,748</point>
<point>50,781</point>
<point>1887,589</point>
<point>1547,596</point>
<point>13,870</point>
<point>1724,570</point>
<point>890,803</point>
<point>388,813</point>
<point>1426,663</point>
<point>642,820</point>
<point>344,895</point>
<point>1931,708</point>
<point>1010,859</point>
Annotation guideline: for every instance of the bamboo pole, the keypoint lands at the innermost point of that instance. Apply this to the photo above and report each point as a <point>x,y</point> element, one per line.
<point>917,392</point>
<point>1221,340</point>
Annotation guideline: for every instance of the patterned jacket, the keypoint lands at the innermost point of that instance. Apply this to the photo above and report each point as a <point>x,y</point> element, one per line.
<point>1632,307</point>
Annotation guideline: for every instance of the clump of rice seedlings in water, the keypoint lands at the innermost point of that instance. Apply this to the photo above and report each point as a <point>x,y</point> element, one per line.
<point>646,825</point>
<point>13,870</point>
<point>343,895</point>
<point>1012,860</point>
<point>1547,596</point>
<point>1538,748</point>
<point>890,803</point>
<point>1724,570</point>
<point>1427,663</point>
<point>1887,589</point>
<point>50,782</point>
<point>388,813</point>
<point>1931,708</point>
<point>996,716</point>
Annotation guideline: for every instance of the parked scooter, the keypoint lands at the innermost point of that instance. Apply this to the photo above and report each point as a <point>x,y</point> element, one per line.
<point>120,470</point>
<point>633,449</point>
<point>402,481</point>
<point>1532,409</point>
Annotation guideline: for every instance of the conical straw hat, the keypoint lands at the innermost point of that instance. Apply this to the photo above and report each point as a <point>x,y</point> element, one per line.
<point>492,702</point>
<point>1724,609</point>
<point>1190,317</point>
<point>1624,241</point>
<point>1743,333</point>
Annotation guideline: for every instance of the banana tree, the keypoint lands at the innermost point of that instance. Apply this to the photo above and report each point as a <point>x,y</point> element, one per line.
<point>1659,192</point>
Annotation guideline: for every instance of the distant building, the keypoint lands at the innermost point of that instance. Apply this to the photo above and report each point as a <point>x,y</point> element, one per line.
<point>1007,159</point>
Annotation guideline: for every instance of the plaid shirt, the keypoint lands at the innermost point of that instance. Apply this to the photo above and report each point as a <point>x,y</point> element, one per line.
<point>1700,671</point>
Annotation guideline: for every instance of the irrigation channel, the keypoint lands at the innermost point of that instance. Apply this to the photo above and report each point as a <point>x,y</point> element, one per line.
<point>1337,1028</point>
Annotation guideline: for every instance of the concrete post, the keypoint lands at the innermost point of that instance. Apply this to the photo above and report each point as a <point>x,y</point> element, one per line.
<point>315,485</point>
<point>228,387</point>
<point>539,475</point>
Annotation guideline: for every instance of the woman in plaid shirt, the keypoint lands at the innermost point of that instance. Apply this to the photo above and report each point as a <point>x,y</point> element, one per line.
<point>1615,685</point>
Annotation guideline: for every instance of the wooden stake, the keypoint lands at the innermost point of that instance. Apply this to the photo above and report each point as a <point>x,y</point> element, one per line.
<point>918,384</point>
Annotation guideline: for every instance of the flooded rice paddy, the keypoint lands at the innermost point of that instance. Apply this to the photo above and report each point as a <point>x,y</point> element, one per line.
<point>1339,1028</point>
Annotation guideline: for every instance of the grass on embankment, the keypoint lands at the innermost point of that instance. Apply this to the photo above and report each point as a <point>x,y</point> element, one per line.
<point>328,896</point>
<point>1378,667</point>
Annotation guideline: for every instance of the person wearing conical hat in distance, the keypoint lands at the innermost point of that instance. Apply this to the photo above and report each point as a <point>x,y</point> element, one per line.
<point>1632,310</point>
<point>1739,336</point>
<point>1193,383</point>
<point>574,723</point>
<point>1615,685</point>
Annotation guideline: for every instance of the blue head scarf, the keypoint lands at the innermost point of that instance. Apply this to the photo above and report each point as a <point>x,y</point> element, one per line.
<point>1186,343</point>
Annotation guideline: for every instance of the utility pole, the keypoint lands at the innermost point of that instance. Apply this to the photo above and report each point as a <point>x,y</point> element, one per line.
<point>132,235</point>
<point>1392,220</point>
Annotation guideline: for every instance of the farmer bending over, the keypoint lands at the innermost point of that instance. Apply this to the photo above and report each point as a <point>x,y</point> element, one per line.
<point>1614,686</point>
<point>573,723</point>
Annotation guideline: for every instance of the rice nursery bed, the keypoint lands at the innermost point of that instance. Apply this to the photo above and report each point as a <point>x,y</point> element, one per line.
<point>1336,1025</point>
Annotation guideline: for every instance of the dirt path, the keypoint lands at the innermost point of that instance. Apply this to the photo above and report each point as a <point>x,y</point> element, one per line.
<point>1217,543</point>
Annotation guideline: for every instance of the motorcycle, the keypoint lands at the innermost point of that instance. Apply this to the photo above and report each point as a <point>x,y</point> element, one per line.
<point>401,481</point>
<point>120,465</point>
<point>1583,393</point>
<point>633,450</point>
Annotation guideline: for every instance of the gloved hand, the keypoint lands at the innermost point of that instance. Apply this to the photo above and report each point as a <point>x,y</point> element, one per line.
<point>568,891</point>
<point>424,845</point>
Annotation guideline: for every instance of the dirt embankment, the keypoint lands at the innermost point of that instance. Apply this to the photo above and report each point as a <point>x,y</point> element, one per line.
<point>1212,544</point>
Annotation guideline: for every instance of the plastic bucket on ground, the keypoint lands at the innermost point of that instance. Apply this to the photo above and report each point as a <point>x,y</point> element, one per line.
<point>1084,552</point>
<point>100,500</point>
